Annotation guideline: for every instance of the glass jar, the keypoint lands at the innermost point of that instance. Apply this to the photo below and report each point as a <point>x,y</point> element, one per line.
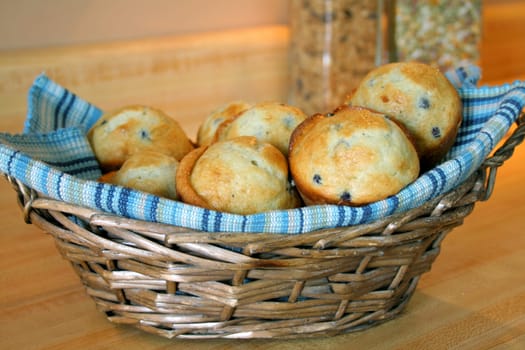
<point>444,33</point>
<point>333,44</point>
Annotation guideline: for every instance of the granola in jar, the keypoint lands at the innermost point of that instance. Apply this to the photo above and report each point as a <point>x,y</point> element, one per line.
<point>444,33</point>
<point>333,45</point>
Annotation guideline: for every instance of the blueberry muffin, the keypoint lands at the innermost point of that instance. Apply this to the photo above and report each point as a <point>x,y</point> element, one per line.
<point>240,175</point>
<point>421,98</point>
<point>147,171</point>
<point>353,156</point>
<point>207,130</point>
<point>119,134</point>
<point>270,122</point>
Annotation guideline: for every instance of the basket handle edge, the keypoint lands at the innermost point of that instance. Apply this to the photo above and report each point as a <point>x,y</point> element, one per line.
<point>490,166</point>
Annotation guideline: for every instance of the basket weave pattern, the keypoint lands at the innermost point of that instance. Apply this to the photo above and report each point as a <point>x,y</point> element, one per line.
<point>176,282</point>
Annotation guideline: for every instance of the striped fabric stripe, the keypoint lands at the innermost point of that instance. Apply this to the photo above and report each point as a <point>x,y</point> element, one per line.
<point>66,150</point>
<point>53,157</point>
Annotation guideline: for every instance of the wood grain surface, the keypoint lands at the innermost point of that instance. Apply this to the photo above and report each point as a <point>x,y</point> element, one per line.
<point>473,298</point>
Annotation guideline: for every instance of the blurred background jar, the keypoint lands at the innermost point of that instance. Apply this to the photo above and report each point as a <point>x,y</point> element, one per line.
<point>333,44</point>
<point>444,33</point>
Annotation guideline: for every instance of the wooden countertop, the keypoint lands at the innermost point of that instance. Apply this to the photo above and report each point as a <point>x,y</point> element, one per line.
<point>473,298</point>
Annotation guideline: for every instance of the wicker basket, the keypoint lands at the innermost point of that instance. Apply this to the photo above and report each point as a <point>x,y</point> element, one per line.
<point>175,282</point>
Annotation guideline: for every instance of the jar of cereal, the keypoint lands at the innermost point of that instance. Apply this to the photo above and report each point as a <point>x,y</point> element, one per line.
<point>444,33</point>
<point>333,44</point>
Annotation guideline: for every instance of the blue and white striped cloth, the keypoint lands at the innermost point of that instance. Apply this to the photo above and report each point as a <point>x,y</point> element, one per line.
<point>53,157</point>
